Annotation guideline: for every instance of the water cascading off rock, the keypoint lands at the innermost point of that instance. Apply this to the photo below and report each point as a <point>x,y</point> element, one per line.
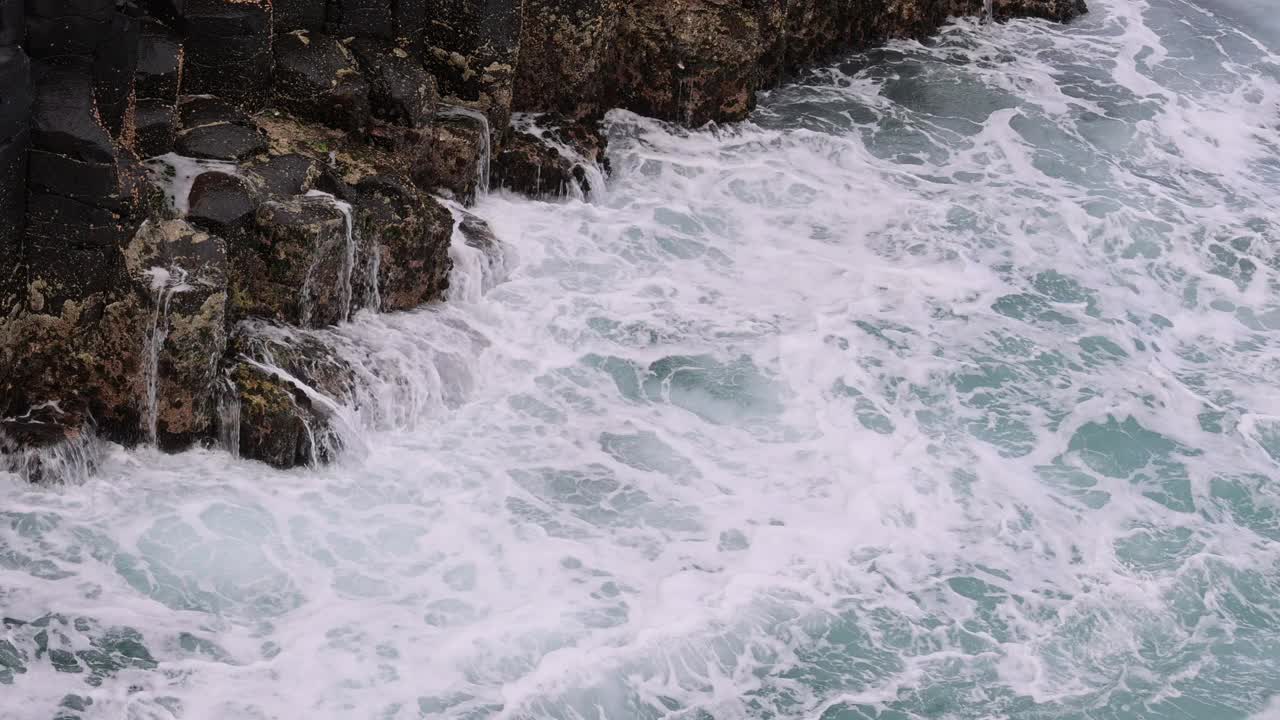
<point>285,157</point>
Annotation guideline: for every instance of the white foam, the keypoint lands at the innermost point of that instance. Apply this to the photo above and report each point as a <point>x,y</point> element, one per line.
<point>945,387</point>
<point>177,173</point>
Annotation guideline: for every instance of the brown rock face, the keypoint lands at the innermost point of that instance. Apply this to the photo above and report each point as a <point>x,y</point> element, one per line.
<point>454,158</point>
<point>314,136</point>
<point>186,271</point>
<point>531,167</point>
<point>279,424</point>
<point>698,60</point>
<point>404,237</point>
<point>287,386</point>
<point>565,49</point>
<point>295,266</point>
<point>695,61</point>
<point>472,48</point>
<point>1059,10</point>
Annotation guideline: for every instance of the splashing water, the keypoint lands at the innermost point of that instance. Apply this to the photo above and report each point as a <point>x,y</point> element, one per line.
<point>592,171</point>
<point>176,174</point>
<point>943,388</point>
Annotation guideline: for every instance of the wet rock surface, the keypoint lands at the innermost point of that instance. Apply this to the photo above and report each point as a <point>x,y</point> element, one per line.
<point>400,91</point>
<point>288,388</point>
<point>293,266</point>
<point>303,144</point>
<point>450,159</point>
<point>316,78</point>
<point>405,239</point>
<point>529,166</point>
<point>221,203</point>
<point>278,421</point>
<point>565,49</point>
<point>186,270</point>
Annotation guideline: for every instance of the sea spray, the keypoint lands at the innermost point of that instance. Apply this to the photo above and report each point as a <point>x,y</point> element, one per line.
<point>942,388</point>
<point>591,169</point>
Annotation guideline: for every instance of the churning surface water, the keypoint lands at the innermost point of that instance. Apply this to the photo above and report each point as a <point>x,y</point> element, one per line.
<point>946,387</point>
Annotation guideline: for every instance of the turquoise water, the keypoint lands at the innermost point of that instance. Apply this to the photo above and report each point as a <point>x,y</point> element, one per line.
<point>944,388</point>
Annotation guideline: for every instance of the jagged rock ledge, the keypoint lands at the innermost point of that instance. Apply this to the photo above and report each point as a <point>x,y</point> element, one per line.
<point>176,173</point>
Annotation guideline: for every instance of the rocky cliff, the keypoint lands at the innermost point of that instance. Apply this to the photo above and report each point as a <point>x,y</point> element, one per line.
<point>176,173</point>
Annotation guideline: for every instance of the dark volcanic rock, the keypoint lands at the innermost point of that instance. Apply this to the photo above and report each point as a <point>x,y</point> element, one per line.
<point>364,18</point>
<point>197,110</point>
<point>472,46</point>
<point>228,50</point>
<point>186,271</point>
<point>291,15</point>
<point>452,158</point>
<point>92,183</point>
<point>63,117</point>
<point>287,174</point>
<point>296,266</point>
<point>529,166</point>
<point>114,66</point>
<point>159,62</point>
<point>405,239</point>
<point>565,49</point>
<point>154,124</point>
<point>15,112</point>
<point>221,203</point>
<point>317,78</point>
<point>221,141</point>
<point>400,91</point>
<point>68,28</point>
